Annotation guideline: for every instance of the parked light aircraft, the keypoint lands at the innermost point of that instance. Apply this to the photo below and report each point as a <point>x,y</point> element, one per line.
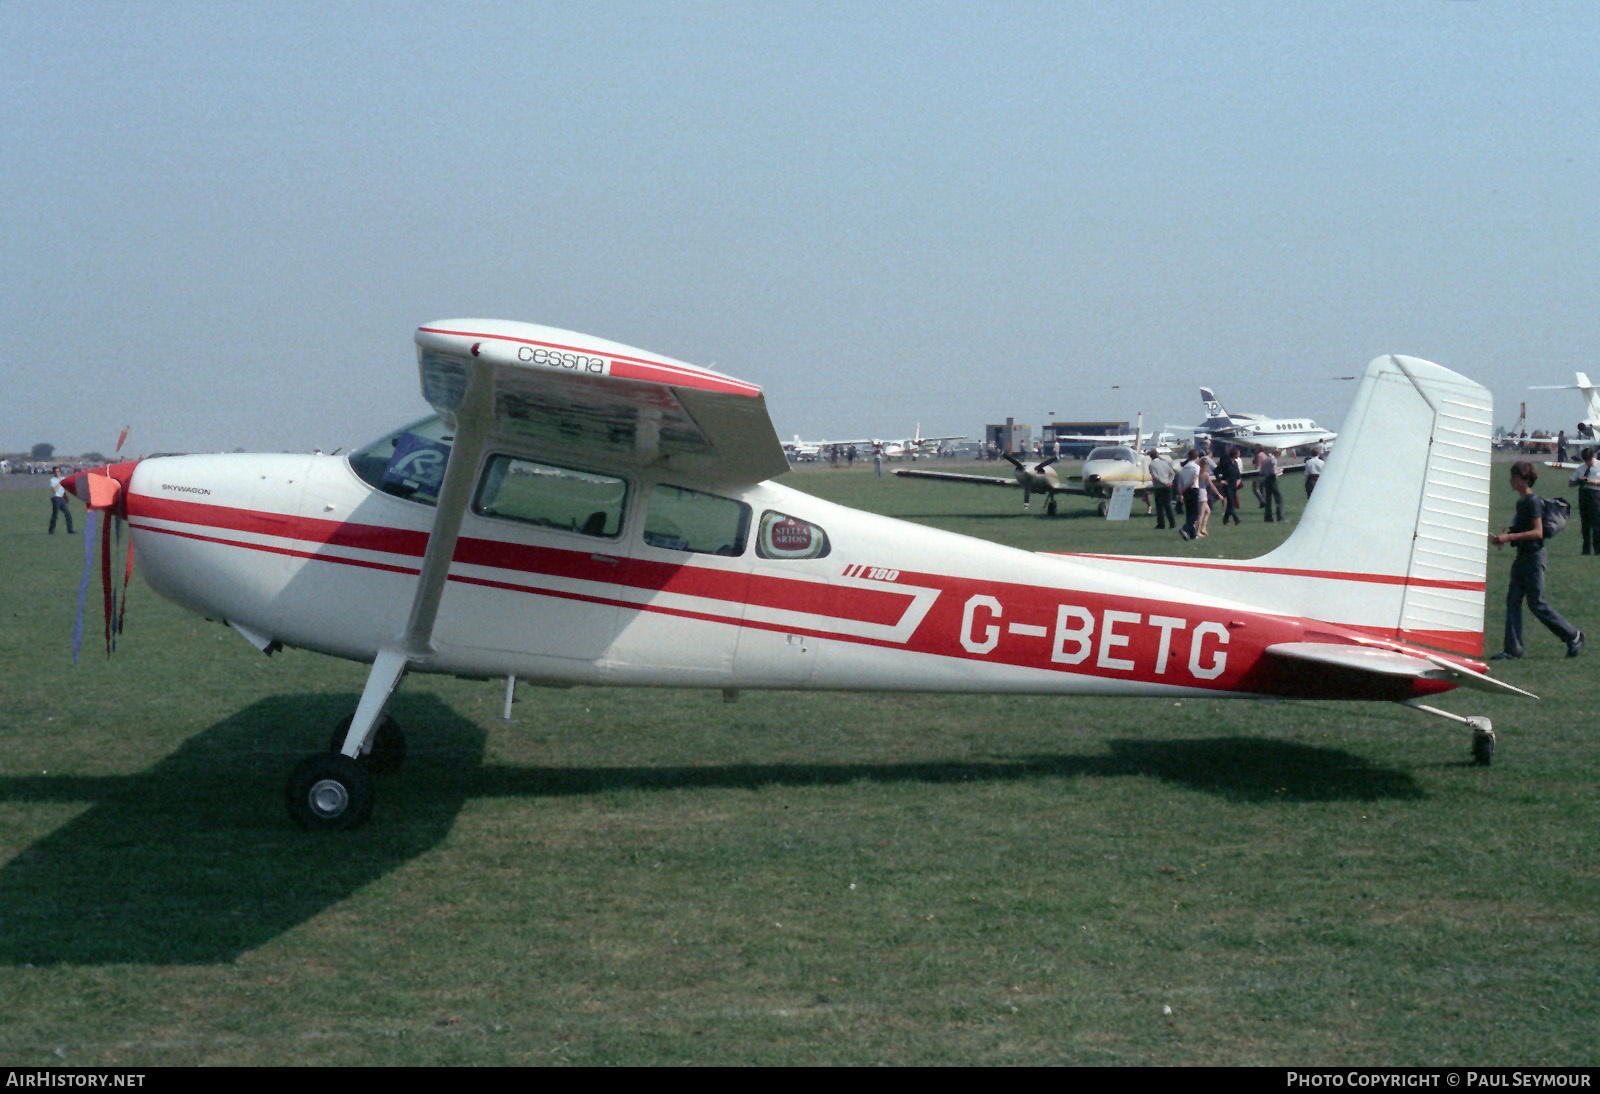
<point>1277,434</point>
<point>1591,403</point>
<point>1105,470</point>
<point>1117,465</point>
<point>1165,441</point>
<point>580,512</point>
<point>897,448</point>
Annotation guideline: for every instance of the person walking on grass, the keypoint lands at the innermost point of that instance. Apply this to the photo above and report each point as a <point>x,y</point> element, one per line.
<point>1527,569</point>
<point>58,503</point>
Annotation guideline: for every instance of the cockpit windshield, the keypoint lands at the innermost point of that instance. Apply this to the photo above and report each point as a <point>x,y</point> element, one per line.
<point>408,463</point>
<point>1119,452</point>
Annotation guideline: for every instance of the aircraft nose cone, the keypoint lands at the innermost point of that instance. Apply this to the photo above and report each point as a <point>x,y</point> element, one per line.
<point>103,487</point>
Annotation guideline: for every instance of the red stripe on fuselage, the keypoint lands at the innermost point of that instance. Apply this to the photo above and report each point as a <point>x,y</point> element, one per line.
<point>883,607</point>
<point>1039,627</point>
<point>1283,571</point>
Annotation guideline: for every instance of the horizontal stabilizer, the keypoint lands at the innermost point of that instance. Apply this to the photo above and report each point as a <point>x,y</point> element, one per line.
<point>1389,663</point>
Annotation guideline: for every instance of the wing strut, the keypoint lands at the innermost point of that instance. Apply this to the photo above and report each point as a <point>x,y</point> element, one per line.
<point>474,416</point>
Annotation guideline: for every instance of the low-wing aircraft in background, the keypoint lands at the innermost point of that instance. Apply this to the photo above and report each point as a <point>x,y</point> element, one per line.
<point>1112,467</point>
<point>579,512</point>
<point>1106,469</point>
<point>1276,434</point>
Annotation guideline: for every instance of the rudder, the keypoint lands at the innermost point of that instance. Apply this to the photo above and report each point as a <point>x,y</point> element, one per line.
<point>1413,546</point>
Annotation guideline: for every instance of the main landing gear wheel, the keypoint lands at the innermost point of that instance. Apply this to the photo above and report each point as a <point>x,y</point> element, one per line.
<point>329,792</point>
<point>1050,506</point>
<point>1482,746</point>
<point>388,753</point>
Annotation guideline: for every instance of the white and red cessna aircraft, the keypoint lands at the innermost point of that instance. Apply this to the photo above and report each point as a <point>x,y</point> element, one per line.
<point>581,512</point>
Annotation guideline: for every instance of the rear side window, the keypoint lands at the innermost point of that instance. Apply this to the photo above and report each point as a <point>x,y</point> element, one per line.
<point>551,497</point>
<point>687,520</point>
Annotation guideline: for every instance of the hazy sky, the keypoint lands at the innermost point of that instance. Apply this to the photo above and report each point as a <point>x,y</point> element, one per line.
<point>223,221</point>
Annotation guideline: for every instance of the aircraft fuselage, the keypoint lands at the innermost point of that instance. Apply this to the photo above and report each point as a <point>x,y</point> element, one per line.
<point>301,551</point>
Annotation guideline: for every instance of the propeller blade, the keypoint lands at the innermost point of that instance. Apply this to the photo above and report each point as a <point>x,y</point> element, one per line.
<point>105,491</point>
<point>83,584</point>
<point>107,589</point>
<point>127,579</point>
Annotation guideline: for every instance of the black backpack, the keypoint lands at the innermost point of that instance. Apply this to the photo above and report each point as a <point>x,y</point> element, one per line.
<point>1557,511</point>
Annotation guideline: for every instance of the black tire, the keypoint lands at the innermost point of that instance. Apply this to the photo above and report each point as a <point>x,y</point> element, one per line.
<point>1103,508</point>
<point>388,753</point>
<point>1482,748</point>
<point>328,792</point>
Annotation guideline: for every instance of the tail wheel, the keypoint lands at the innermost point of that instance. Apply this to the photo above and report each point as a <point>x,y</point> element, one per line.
<point>388,753</point>
<point>329,792</point>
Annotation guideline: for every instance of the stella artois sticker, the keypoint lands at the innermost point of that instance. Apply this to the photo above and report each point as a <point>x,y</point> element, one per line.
<point>783,536</point>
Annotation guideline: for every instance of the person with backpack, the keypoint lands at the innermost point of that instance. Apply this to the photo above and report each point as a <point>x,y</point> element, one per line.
<point>1527,531</point>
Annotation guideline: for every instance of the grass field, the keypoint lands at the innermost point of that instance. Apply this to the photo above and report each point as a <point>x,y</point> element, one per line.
<point>652,877</point>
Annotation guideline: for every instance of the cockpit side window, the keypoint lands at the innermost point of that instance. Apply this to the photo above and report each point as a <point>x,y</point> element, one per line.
<point>688,520</point>
<point>552,497</point>
<point>408,463</point>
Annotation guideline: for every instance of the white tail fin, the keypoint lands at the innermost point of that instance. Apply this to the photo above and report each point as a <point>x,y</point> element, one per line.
<point>1392,544</point>
<point>1591,396</point>
<point>1399,517</point>
<point>1216,417</point>
<point>1590,393</point>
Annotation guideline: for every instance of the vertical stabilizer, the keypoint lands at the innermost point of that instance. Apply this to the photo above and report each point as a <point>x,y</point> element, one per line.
<point>1591,397</point>
<point>1402,509</point>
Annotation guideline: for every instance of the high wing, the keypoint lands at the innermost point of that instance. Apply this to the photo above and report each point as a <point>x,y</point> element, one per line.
<point>559,392</point>
<point>1098,438</point>
<point>553,392</point>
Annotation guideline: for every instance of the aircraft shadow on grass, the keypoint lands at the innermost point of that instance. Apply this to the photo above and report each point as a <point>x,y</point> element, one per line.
<point>196,862</point>
<point>1245,769</point>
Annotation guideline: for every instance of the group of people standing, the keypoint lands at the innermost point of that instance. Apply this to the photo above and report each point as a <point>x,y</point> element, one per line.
<point>1204,479</point>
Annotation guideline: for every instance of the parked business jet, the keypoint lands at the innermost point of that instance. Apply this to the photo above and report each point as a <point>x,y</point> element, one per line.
<point>1277,434</point>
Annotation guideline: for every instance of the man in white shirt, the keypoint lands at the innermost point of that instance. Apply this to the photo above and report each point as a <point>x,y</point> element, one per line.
<point>1189,489</point>
<point>58,503</point>
<point>1587,479</point>
<point>1313,470</point>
